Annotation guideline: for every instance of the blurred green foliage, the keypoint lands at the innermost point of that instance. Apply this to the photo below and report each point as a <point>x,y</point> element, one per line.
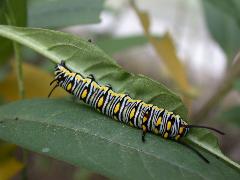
<point>14,12</point>
<point>231,116</point>
<point>62,13</point>
<point>223,19</point>
<point>237,84</point>
<point>114,45</point>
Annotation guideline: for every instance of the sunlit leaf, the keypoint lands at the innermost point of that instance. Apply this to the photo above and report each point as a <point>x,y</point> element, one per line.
<point>10,168</point>
<point>165,48</point>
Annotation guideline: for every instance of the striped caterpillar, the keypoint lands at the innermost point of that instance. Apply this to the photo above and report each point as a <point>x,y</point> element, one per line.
<point>123,108</point>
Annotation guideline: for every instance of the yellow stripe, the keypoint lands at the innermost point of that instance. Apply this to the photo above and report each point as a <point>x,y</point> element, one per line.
<point>156,131</point>
<point>144,128</point>
<point>131,124</point>
<point>86,80</point>
<point>95,85</point>
<point>69,86</point>
<point>117,107</point>
<point>180,130</point>
<point>159,121</point>
<point>84,94</point>
<point>177,137</point>
<point>169,113</point>
<point>165,135</point>
<point>177,116</point>
<point>72,74</point>
<point>169,124</point>
<point>145,119</point>
<point>104,88</point>
<point>78,77</point>
<point>100,102</point>
<point>132,113</point>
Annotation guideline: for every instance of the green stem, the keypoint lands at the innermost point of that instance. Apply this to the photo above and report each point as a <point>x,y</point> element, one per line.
<point>20,81</point>
<point>222,90</point>
<point>10,17</point>
<point>18,58</point>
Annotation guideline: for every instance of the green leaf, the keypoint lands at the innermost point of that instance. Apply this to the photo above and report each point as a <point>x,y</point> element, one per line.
<point>237,85</point>
<point>62,13</point>
<point>113,45</point>
<point>77,134</point>
<point>15,12</point>
<point>5,50</point>
<point>223,21</point>
<point>86,58</point>
<point>231,115</point>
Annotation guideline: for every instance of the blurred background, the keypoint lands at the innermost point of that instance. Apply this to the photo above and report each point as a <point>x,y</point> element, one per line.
<point>190,46</point>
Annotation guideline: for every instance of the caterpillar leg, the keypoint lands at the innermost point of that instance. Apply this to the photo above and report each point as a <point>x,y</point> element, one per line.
<point>194,150</point>
<point>109,86</point>
<point>144,132</point>
<point>90,76</point>
<point>74,99</point>
<point>143,136</point>
<point>63,63</point>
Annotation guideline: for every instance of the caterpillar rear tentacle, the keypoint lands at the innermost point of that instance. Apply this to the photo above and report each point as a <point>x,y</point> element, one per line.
<point>123,108</point>
<point>194,150</point>
<point>205,127</point>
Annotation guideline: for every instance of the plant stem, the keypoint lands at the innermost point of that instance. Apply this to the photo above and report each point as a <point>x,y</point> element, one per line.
<point>20,81</point>
<point>224,88</point>
<point>18,58</point>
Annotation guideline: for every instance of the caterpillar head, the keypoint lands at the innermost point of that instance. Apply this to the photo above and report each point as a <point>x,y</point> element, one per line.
<point>184,127</point>
<point>181,128</point>
<point>61,73</point>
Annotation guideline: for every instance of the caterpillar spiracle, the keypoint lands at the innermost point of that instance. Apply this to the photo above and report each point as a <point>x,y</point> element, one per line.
<point>123,108</point>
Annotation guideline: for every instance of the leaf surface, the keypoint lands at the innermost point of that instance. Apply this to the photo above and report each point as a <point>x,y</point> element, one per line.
<point>75,133</point>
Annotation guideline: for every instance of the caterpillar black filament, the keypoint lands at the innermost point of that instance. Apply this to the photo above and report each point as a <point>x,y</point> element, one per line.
<point>122,107</point>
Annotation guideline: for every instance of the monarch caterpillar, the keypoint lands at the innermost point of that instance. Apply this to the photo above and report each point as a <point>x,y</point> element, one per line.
<point>123,108</point>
